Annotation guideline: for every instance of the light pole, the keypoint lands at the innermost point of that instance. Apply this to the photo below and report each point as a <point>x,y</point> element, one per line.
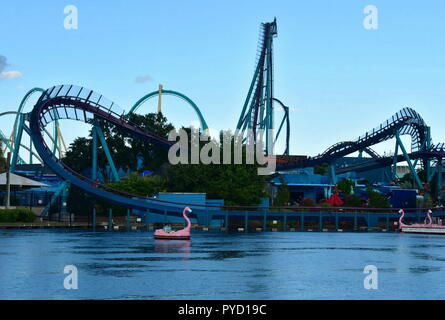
<point>8,181</point>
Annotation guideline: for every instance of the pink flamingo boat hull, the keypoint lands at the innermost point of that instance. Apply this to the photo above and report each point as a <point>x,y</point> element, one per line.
<point>429,227</point>
<point>183,234</point>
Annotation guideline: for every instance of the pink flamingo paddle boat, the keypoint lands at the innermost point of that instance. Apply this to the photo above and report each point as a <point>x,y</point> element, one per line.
<point>428,227</point>
<point>183,234</point>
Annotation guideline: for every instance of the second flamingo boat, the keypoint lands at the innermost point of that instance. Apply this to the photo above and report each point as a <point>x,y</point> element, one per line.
<point>427,227</point>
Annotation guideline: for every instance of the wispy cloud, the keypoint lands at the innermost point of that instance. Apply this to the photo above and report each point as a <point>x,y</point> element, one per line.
<point>4,75</point>
<point>10,75</point>
<point>143,79</point>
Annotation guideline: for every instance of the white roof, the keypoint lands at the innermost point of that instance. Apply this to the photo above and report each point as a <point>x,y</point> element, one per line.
<point>16,180</point>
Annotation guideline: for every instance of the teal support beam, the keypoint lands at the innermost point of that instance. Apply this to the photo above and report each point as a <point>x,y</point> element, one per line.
<point>17,142</point>
<point>226,223</point>
<point>94,219</point>
<point>332,176</point>
<point>269,94</point>
<point>302,222</point>
<point>427,163</point>
<point>110,219</point>
<point>138,103</point>
<point>337,222</point>
<point>63,186</point>
<point>101,137</point>
<point>94,154</point>
<point>320,222</point>
<point>432,173</point>
<point>22,106</point>
<point>9,146</point>
<point>249,94</point>
<point>394,165</point>
<point>56,136</point>
<point>246,222</point>
<point>128,219</point>
<point>355,222</point>
<point>408,160</point>
<point>30,150</point>
<point>147,219</point>
<point>64,200</point>
<point>285,222</point>
<point>439,178</point>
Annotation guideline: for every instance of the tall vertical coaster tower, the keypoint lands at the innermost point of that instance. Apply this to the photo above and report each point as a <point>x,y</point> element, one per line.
<point>258,108</point>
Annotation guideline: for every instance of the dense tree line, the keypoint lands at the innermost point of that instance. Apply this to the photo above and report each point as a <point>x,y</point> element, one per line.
<point>237,184</point>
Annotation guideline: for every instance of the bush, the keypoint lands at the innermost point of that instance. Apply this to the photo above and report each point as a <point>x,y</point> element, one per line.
<point>16,215</point>
<point>377,200</point>
<point>325,204</point>
<point>352,200</point>
<point>346,186</point>
<point>307,202</point>
<point>283,195</point>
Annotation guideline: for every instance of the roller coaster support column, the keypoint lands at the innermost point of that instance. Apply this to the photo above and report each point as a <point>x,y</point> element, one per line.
<point>94,154</point>
<point>30,150</point>
<point>110,219</point>
<point>17,142</point>
<point>59,192</point>
<point>408,160</point>
<point>269,94</point>
<point>439,178</point>
<point>332,176</point>
<point>426,162</point>
<point>64,199</point>
<point>128,219</point>
<point>394,165</point>
<point>94,219</point>
<point>56,137</point>
<point>94,170</point>
<point>101,137</point>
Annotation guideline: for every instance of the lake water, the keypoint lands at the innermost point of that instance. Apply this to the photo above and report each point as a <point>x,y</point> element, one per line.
<point>214,265</point>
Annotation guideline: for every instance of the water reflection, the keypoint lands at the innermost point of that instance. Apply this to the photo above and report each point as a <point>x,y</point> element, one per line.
<point>220,266</point>
<point>172,246</point>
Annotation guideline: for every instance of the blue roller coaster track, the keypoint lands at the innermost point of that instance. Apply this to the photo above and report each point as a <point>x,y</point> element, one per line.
<point>81,104</point>
<point>405,122</point>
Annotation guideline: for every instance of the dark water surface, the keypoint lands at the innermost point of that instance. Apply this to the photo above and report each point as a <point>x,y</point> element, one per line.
<point>214,265</point>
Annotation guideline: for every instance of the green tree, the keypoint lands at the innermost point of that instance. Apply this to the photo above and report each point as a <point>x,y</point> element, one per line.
<point>321,169</point>
<point>283,195</point>
<point>125,149</point>
<point>2,162</point>
<point>346,186</point>
<point>352,200</point>
<point>376,199</point>
<point>144,186</point>
<point>237,184</point>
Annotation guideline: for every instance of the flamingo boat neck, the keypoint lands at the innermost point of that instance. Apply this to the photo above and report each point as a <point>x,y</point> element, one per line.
<point>183,234</point>
<point>427,227</point>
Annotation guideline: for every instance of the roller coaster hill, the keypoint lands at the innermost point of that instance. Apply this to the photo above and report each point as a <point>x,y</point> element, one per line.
<point>70,102</point>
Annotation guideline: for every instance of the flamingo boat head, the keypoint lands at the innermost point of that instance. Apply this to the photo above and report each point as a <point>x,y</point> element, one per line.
<point>401,224</point>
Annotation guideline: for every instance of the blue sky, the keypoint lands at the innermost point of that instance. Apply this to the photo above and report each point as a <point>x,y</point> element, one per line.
<point>341,79</point>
